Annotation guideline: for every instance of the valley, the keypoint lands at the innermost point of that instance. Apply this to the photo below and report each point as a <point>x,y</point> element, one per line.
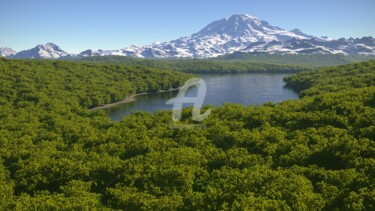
<point>56,154</point>
<point>188,105</point>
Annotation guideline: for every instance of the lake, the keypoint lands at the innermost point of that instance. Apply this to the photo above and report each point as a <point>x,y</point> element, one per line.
<point>245,89</point>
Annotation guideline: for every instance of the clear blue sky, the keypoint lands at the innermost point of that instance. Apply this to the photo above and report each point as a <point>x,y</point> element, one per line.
<point>77,25</point>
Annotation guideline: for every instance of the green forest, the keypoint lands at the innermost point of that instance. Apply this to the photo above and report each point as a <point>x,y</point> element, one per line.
<point>307,60</point>
<point>199,65</point>
<point>235,63</point>
<point>314,153</point>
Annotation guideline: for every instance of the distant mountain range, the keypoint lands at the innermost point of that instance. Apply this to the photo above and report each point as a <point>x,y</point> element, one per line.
<point>239,33</point>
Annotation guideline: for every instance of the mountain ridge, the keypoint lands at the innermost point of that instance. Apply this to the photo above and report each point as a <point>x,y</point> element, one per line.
<point>47,51</point>
<point>7,52</point>
<point>238,33</point>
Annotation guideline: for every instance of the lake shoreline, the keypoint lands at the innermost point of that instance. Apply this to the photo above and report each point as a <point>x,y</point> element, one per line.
<point>129,99</point>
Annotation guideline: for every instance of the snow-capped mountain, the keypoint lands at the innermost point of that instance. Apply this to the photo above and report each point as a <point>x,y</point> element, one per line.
<point>239,33</point>
<point>245,33</point>
<point>89,53</point>
<point>299,32</point>
<point>220,37</point>
<point>363,46</point>
<point>47,51</point>
<point>7,52</point>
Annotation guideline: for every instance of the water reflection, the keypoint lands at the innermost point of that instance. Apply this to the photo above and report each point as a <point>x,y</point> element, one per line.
<point>246,89</point>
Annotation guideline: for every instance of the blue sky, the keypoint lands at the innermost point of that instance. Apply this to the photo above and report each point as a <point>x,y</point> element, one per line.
<point>77,25</point>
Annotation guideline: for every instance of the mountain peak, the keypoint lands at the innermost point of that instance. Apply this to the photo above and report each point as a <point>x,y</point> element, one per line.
<point>46,51</point>
<point>243,17</point>
<point>7,52</point>
<point>296,30</point>
<point>247,27</point>
<point>49,45</point>
<point>235,26</point>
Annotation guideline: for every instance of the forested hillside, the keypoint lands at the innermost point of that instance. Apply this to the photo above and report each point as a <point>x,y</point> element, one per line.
<point>315,153</point>
<point>307,60</point>
<point>87,85</point>
<point>235,63</point>
<point>201,65</point>
<point>335,79</point>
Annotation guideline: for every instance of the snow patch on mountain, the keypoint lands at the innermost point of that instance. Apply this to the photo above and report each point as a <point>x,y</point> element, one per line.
<point>246,33</point>
<point>7,52</point>
<point>47,51</point>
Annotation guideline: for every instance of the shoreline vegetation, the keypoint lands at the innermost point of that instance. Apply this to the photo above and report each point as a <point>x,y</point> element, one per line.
<point>129,99</point>
<point>113,83</point>
<point>132,98</point>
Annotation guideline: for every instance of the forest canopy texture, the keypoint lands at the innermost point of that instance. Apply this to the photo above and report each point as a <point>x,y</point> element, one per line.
<point>314,153</point>
<point>235,63</point>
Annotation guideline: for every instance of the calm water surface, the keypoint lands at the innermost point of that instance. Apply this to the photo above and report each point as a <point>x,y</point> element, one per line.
<point>246,89</point>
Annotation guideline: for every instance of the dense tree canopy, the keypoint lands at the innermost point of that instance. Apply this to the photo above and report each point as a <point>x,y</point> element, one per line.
<point>335,79</point>
<point>200,65</point>
<point>315,153</point>
<point>309,60</point>
<point>236,63</point>
<point>85,84</point>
